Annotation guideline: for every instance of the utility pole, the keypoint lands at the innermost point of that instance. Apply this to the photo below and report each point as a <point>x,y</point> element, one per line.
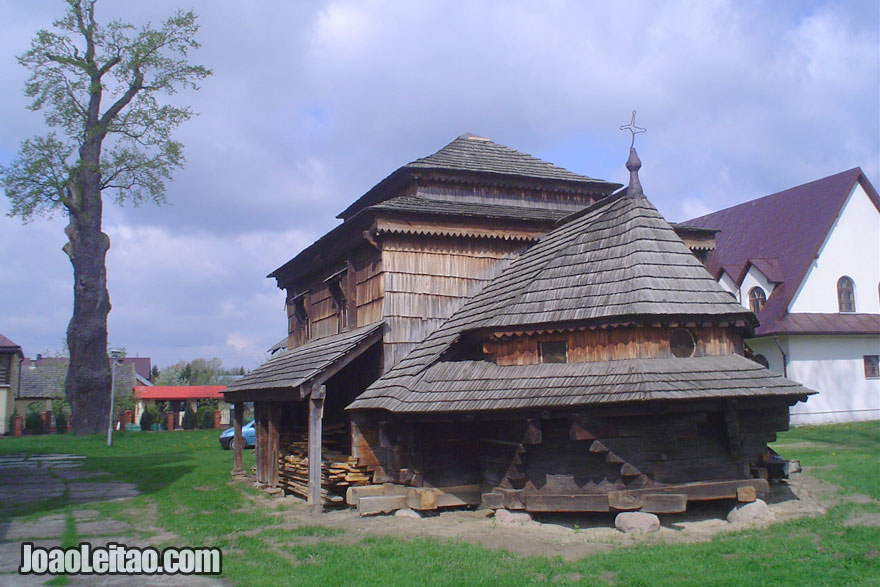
<point>116,356</point>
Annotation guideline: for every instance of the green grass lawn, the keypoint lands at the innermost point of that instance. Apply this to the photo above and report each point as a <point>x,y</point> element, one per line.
<point>185,484</point>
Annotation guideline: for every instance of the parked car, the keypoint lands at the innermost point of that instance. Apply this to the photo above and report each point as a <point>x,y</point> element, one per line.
<point>248,436</point>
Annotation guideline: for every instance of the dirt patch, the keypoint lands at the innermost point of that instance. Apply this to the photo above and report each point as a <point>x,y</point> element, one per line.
<point>866,520</point>
<point>568,536</point>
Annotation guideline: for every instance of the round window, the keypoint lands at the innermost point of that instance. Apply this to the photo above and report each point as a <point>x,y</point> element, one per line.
<point>682,343</point>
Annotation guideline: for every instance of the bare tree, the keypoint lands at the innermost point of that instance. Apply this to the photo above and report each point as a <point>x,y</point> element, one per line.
<point>100,88</point>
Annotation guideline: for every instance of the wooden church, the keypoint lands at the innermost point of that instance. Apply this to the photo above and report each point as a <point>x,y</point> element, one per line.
<point>486,328</point>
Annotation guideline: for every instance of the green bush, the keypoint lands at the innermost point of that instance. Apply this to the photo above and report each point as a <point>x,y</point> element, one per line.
<point>189,419</point>
<point>148,418</point>
<point>33,422</point>
<point>12,421</point>
<point>205,417</point>
<point>60,422</point>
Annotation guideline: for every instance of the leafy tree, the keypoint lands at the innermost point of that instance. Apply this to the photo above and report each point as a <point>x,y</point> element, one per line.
<point>196,372</point>
<point>99,87</point>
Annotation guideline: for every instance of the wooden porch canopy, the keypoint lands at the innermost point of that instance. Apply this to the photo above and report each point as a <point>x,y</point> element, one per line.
<point>294,375</point>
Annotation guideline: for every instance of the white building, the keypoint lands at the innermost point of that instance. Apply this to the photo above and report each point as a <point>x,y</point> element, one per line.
<point>807,262</point>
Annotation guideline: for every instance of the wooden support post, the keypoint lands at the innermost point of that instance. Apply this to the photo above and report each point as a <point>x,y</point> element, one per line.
<point>264,442</point>
<point>238,441</point>
<point>316,414</point>
<point>258,437</point>
<point>273,444</point>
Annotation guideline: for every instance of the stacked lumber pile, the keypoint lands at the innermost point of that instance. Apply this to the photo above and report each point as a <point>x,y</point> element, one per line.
<point>338,471</point>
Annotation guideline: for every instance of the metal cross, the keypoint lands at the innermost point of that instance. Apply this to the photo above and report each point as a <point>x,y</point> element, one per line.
<point>631,127</point>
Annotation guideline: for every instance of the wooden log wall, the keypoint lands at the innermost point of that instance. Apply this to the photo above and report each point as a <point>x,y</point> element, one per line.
<point>536,196</point>
<point>361,282</point>
<point>368,286</point>
<point>612,344</point>
<point>426,280</point>
<point>575,453</point>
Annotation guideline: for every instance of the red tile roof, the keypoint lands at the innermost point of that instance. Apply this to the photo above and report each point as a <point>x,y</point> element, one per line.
<point>179,392</point>
<point>780,234</point>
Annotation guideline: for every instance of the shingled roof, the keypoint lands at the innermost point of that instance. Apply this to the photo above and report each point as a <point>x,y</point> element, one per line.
<point>471,154</point>
<point>409,204</point>
<point>44,378</point>
<point>476,386</point>
<point>288,370</point>
<point>780,234</point>
<point>617,261</point>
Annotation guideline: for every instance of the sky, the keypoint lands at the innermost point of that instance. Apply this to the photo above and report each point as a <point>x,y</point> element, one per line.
<point>313,103</point>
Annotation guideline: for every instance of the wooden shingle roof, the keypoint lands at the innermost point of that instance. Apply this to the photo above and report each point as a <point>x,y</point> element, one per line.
<point>478,386</point>
<point>473,156</point>
<point>618,261</point>
<point>290,369</point>
<point>414,204</point>
<point>472,153</point>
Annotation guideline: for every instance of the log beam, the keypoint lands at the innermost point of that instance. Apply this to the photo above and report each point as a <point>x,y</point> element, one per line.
<point>273,444</point>
<point>316,415</point>
<point>237,418</point>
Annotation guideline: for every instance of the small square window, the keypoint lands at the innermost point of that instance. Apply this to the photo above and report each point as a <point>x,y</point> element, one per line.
<point>872,366</point>
<point>553,351</point>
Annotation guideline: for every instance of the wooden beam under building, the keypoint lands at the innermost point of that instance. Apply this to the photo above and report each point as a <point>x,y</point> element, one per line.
<point>238,441</point>
<point>316,415</point>
<point>273,443</point>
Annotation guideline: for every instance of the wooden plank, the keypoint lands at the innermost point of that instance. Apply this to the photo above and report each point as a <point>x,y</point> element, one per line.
<point>513,498</point>
<point>624,500</point>
<point>494,501</point>
<point>273,444</point>
<point>381,504</point>
<point>584,502</point>
<point>316,414</point>
<point>746,494</point>
<point>238,418</point>
<point>664,503</point>
<point>353,494</point>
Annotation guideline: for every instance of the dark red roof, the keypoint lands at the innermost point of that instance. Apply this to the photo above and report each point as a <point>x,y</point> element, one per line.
<point>8,345</point>
<point>780,234</point>
<point>142,365</point>
<point>802,323</point>
<point>178,392</point>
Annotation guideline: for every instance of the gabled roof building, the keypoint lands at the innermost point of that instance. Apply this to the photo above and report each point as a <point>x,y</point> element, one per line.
<point>807,261</point>
<point>491,329</point>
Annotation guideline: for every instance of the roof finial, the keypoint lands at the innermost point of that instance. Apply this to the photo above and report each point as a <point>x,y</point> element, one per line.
<point>633,163</point>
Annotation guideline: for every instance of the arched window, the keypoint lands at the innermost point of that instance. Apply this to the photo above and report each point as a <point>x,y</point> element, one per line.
<point>846,299</point>
<point>757,297</point>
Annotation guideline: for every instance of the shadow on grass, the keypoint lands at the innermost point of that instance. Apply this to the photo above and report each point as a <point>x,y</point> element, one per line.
<point>34,499</point>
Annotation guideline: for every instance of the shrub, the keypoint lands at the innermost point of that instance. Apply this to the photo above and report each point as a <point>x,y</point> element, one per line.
<point>60,422</point>
<point>189,419</point>
<point>148,418</point>
<point>205,417</point>
<point>33,422</point>
<point>12,421</point>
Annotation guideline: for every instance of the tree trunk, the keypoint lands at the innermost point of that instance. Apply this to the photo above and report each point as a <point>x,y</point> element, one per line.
<point>88,375</point>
